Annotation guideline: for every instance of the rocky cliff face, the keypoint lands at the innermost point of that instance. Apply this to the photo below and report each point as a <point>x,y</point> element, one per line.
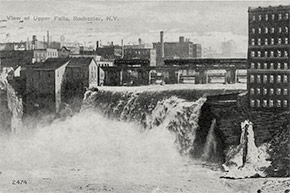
<point>11,108</point>
<point>271,128</point>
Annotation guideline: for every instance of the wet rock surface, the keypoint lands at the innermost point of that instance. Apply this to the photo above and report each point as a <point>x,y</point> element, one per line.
<point>271,128</point>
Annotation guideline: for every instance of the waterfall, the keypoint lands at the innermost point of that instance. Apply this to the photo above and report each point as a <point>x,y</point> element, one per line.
<point>152,110</point>
<point>210,148</point>
<point>246,160</point>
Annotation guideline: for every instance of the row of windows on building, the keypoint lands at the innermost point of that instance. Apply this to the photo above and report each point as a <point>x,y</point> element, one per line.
<point>52,54</point>
<point>104,64</point>
<point>93,68</point>
<point>269,78</point>
<point>271,30</point>
<point>270,91</point>
<point>266,53</point>
<point>269,41</point>
<point>269,103</point>
<point>270,65</point>
<point>272,17</point>
<point>137,52</point>
<point>93,75</point>
<point>44,54</point>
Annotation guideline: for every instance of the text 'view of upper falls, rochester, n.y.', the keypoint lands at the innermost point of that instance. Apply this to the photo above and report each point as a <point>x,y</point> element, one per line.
<point>144,97</point>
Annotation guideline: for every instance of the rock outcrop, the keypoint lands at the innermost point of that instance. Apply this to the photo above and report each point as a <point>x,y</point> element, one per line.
<point>11,108</point>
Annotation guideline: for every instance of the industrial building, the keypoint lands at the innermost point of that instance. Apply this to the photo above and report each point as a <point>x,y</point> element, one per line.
<point>129,72</point>
<point>109,51</point>
<point>57,81</point>
<point>183,49</point>
<point>268,58</point>
<point>141,53</point>
<point>44,85</point>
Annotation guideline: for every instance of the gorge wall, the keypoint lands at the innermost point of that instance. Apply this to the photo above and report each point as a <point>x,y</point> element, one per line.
<point>11,108</point>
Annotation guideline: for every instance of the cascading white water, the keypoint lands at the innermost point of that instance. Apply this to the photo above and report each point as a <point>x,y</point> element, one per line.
<point>90,148</point>
<point>88,140</point>
<point>180,117</point>
<point>125,114</point>
<point>246,160</point>
<point>210,147</point>
<point>90,153</point>
<point>177,115</point>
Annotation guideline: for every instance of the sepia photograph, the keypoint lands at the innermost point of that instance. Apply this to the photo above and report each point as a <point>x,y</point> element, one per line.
<point>146,96</point>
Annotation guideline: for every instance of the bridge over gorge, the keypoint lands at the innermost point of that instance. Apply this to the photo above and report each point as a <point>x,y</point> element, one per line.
<point>200,71</point>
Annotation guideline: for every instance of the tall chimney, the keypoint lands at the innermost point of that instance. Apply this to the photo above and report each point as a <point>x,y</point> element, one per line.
<point>162,44</point>
<point>97,45</point>
<point>140,41</point>
<point>181,39</point>
<point>47,39</point>
<point>27,44</point>
<point>122,44</point>
<point>34,39</point>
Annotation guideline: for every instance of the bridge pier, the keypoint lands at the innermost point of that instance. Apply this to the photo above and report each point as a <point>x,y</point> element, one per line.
<point>201,77</point>
<point>231,76</point>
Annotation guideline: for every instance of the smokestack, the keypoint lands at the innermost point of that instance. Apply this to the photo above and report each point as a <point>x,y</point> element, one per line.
<point>181,39</point>
<point>34,39</point>
<point>47,39</point>
<point>97,45</point>
<point>112,43</point>
<point>27,44</point>
<point>122,44</point>
<point>162,44</point>
<point>139,41</point>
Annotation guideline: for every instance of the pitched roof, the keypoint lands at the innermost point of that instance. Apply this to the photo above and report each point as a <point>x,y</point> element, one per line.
<point>51,64</point>
<point>64,48</point>
<point>79,62</point>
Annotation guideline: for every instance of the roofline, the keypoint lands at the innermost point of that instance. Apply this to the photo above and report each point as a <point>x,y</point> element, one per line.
<point>49,69</point>
<point>273,8</point>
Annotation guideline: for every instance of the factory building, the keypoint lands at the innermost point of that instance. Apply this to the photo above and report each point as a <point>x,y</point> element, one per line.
<point>183,49</point>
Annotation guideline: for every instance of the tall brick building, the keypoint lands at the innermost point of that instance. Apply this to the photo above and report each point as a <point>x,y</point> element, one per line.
<point>268,58</point>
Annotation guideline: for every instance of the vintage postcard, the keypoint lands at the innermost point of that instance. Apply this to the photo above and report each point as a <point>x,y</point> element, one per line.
<point>144,96</point>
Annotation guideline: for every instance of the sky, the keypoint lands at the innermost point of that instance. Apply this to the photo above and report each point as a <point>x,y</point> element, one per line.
<point>205,22</point>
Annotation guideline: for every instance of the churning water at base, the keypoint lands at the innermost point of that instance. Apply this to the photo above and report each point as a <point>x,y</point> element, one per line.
<point>90,153</point>
<point>90,140</point>
<point>153,111</point>
<point>89,147</point>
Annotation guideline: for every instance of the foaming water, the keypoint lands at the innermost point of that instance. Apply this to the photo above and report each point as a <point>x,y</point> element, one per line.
<point>180,117</point>
<point>247,159</point>
<point>89,140</point>
<point>152,110</point>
